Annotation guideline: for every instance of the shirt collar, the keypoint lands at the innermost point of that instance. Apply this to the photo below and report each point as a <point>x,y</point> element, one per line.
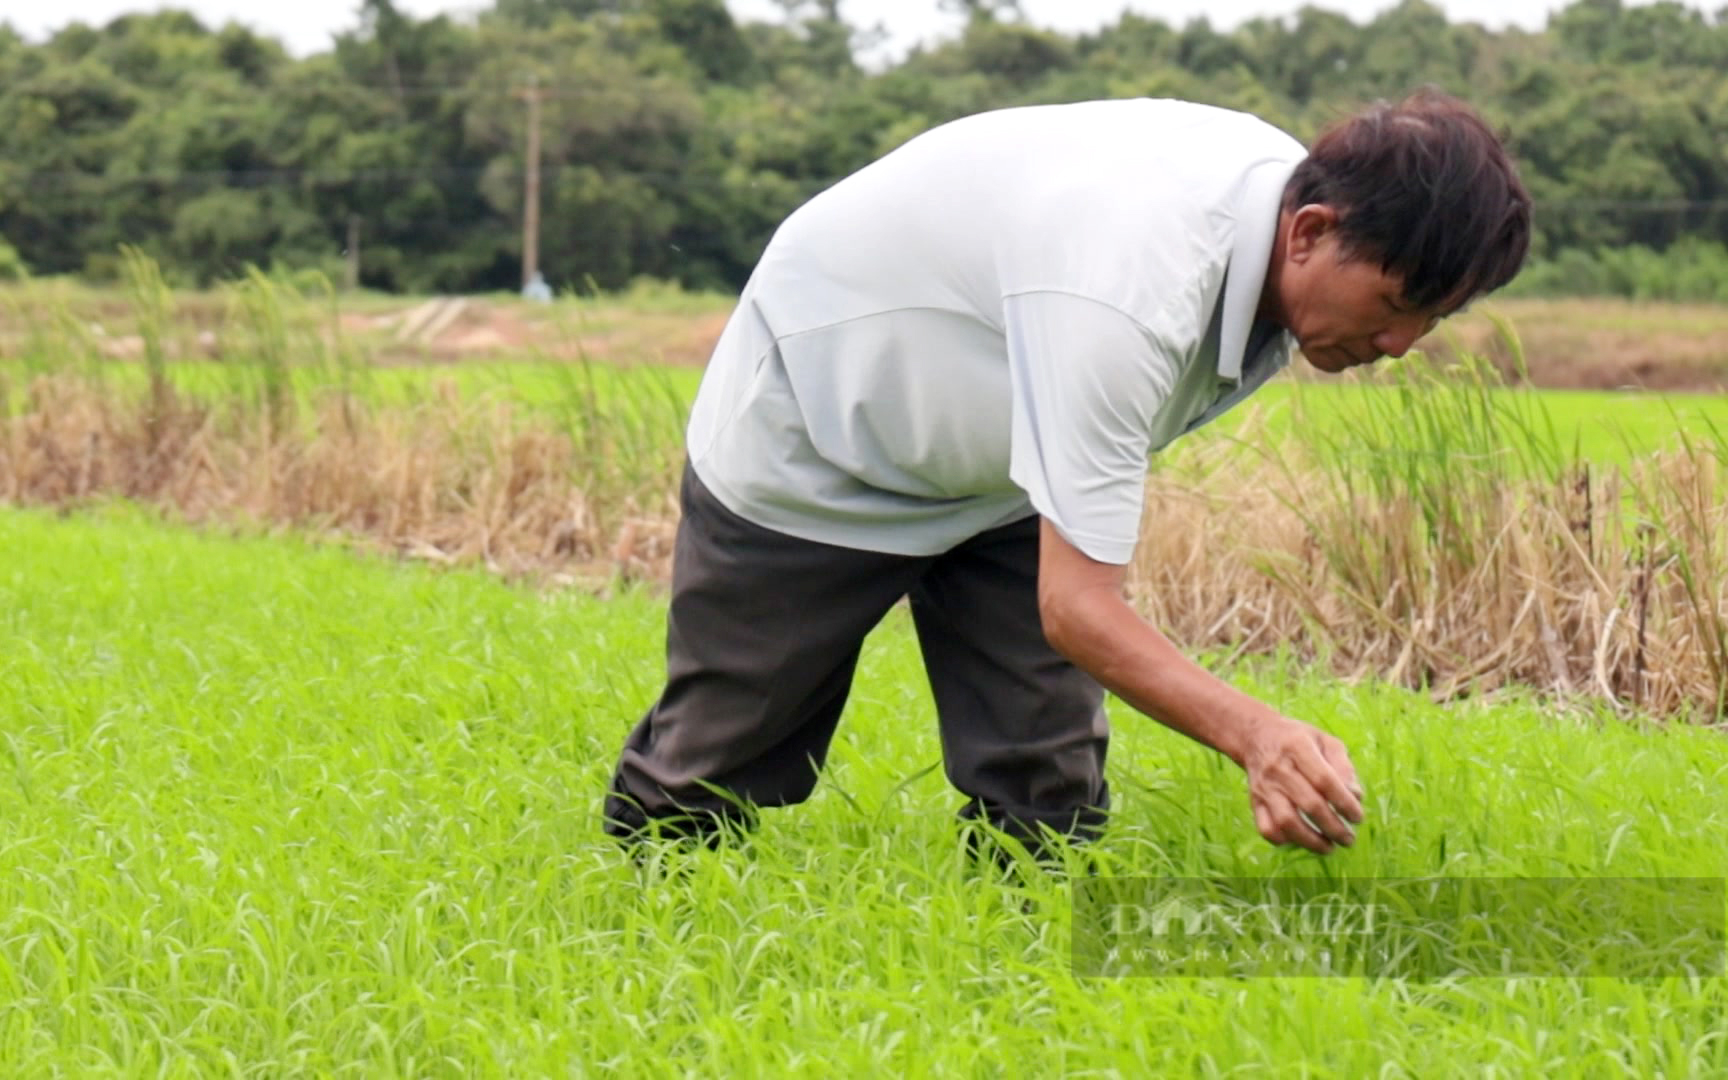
<point>1256,227</point>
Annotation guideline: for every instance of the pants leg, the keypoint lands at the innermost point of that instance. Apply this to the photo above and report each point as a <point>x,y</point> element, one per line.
<point>1024,732</point>
<point>762,639</point>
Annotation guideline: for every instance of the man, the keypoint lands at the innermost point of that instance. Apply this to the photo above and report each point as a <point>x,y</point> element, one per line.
<point>943,381</point>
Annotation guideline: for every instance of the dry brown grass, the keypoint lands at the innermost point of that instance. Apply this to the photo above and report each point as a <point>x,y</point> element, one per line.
<point>1463,579</point>
<point>447,481</point>
<point>1607,586</point>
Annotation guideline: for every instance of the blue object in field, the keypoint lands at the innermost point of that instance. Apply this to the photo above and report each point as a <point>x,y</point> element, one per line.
<point>537,289</point>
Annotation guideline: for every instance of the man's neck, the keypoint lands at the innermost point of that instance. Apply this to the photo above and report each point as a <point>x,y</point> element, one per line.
<point>1271,307</point>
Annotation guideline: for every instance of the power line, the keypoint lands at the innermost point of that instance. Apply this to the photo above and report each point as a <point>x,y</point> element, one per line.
<point>260,177</point>
<point>1666,205</point>
<point>279,174</point>
<point>433,90</point>
<point>552,93</point>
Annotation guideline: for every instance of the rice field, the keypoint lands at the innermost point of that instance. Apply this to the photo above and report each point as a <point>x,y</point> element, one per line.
<point>276,810</point>
<point>281,801</point>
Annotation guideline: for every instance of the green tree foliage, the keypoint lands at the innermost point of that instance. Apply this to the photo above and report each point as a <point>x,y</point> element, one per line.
<point>12,267</point>
<point>674,138</point>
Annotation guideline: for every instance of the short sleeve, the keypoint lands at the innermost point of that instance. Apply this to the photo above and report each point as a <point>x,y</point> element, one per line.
<point>1086,383</point>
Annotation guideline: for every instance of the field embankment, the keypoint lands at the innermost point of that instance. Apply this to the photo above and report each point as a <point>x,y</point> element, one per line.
<point>1585,344</point>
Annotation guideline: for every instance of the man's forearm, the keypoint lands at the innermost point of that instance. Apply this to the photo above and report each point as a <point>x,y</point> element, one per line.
<point>1102,634</point>
<point>1301,783</point>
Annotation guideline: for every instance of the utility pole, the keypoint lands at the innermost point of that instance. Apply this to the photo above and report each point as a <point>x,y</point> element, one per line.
<point>351,260</point>
<point>533,94</point>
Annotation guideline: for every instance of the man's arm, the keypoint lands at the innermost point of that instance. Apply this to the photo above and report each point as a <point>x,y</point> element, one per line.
<point>1293,768</point>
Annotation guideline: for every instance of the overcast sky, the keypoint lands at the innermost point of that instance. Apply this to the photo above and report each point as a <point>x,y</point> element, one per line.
<point>306,25</point>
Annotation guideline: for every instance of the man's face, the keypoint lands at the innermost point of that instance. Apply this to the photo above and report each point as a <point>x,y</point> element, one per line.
<point>1343,311</point>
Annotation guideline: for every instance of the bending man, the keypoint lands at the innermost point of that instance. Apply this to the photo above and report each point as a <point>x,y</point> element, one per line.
<point>944,380</point>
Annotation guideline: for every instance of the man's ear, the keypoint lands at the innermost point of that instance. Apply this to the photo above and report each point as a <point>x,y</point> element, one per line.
<point>1308,227</point>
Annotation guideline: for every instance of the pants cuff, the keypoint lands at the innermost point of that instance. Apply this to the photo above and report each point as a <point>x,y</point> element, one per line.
<point>1034,828</point>
<point>623,818</point>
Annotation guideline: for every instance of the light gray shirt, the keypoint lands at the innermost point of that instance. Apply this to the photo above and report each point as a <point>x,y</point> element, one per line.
<point>1005,316</point>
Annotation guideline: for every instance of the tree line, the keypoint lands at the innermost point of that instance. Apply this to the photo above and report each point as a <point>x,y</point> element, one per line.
<point>674,137</point>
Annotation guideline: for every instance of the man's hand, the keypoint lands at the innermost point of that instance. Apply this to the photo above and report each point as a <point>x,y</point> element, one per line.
<point>1293,769</point>
<point>1302,786</point>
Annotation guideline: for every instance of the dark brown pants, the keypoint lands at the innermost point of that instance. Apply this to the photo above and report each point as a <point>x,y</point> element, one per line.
<point>762,639</point>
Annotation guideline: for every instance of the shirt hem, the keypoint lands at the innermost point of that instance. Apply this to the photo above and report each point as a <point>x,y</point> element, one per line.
<point>831,534</point>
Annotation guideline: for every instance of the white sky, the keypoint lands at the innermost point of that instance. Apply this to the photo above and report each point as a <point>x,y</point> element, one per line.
<point>306,25</point>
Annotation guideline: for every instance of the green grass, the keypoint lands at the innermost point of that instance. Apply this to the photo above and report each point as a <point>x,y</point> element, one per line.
<point>545,386</point>
<point>1606,426</point>
<point>113,304</point>
<point>273,810</point>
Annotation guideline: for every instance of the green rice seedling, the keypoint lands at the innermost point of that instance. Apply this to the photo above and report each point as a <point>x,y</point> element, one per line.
<point>274,810</point>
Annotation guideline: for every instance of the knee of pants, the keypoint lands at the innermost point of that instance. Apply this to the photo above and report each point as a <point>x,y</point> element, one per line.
<point>1018,778</point>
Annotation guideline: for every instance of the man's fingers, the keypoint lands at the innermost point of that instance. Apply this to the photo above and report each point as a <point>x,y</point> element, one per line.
<point>1263,822</point>
<point>1288,826</point>
<point>1332,749</point>
<point>1331,774</point>
<point>1325,820</point>
<point>1305,791</point>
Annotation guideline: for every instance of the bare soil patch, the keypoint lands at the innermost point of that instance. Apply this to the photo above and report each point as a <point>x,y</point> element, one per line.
<point>1599,344</point>
<point>450,330</point>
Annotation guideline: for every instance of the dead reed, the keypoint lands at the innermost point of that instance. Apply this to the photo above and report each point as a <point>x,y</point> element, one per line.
<point>292,439</point>
<point>1438,536</point>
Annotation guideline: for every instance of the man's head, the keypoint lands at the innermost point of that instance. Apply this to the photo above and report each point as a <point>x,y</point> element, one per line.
<point>1398,217</point>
